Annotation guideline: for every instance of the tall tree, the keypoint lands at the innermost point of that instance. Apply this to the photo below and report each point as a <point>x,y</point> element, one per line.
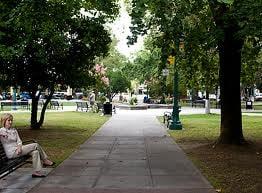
<point>228,23</point>
<point>231,21</point>
<point>251,71</point>
<point>114,64</point>
<point>44,43</point>
<point>118,83</point>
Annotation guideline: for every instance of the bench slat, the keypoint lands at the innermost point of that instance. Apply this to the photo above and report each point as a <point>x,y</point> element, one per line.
<point>83,106</point>
<point>56,105</point>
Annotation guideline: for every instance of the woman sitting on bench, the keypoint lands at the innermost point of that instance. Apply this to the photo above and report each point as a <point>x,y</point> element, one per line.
<point>13,146</point>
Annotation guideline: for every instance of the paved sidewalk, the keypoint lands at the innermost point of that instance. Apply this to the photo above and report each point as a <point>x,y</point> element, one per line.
<point>20,181</point>
<point>131,153</point>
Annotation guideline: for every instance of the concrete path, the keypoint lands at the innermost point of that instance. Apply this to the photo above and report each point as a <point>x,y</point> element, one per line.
<point>131,153</point>
<point>20,181</point>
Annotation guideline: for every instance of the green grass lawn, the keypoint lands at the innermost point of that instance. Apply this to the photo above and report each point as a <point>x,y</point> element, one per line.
<point>206,128</point>
<point>61,133</point>
<point>69,103</point>
<point>230,169</point>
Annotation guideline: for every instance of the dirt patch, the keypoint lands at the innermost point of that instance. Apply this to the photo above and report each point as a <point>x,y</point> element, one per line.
<point>230,169</point>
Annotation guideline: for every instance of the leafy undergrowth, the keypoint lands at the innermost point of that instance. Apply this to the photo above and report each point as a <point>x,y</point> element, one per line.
<point>230,169</point>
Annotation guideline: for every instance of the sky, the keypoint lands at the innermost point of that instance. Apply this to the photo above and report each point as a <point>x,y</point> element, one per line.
<point>121,30</point>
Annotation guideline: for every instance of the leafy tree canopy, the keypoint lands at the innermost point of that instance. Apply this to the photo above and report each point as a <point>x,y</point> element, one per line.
<point>205,28</point>
<point>44,43</point>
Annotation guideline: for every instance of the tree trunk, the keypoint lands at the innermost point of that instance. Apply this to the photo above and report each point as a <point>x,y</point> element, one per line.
<point>207,103</point>
<point>230,68</point>
<point>42,116</point>
<point>230,47</point>
<point>34,106</point>
<point>34,123</point>
<point>110,96</point>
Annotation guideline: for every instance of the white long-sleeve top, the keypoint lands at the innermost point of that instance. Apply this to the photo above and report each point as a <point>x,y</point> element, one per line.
<point>10,142</point>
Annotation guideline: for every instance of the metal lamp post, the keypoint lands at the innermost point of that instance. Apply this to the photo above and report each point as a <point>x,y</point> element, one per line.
<point>175,124</point>
<point>165,73</point>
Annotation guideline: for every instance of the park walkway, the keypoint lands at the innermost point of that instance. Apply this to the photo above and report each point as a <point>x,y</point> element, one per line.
<point>133,153</point>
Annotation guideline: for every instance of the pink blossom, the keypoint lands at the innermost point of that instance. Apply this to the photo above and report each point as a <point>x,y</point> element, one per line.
<point>105,80</point>
<point>99,68</point>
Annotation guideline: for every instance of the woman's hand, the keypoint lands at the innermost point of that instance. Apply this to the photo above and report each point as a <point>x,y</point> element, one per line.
<point>3,135</point>
<point>19,150</point>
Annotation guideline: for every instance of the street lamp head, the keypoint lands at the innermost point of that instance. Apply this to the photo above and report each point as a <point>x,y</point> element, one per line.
<point>171,59</point>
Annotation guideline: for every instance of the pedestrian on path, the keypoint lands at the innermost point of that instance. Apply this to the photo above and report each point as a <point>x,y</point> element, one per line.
<point>92,98</point>
<point>13,146</point>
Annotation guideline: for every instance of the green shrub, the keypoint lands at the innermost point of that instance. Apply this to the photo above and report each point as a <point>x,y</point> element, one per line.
<point>133,101</point>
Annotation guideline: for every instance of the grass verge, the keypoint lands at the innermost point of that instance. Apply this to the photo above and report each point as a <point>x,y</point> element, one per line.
<point>61,133</point>
<point>230,169</point>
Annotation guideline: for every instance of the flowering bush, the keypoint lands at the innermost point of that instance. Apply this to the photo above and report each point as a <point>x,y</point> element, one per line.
<point>100,71</point>
<point>105,80</point>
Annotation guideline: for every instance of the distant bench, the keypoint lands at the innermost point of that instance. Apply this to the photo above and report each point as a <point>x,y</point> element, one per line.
<point>194,103</point>
<point>22,104</point>
<point>56,105</point>
<point>83,106</point>
<point>198,102</point>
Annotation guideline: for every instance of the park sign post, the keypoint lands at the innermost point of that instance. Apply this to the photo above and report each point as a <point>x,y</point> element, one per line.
<point>175,122</point>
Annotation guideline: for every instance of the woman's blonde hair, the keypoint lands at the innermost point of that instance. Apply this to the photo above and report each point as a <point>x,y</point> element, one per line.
<point>5,117</point>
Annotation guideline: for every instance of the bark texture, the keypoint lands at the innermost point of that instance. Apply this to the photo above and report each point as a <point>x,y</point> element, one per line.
<point>230,68</point>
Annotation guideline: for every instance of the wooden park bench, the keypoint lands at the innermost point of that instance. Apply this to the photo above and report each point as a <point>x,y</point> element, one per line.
<point>198,102</point>
<point>56,105</point>
<point>22,104</point>
<point>9,165</point>
<point>83,106</point>
<point>3,104</point>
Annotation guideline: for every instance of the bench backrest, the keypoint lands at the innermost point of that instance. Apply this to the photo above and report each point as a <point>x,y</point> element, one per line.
<point>84,105</point>
<point>22,103</point>
<point>18,103</point>
<point>55,103</point>
<point>78,104</point>
<point>3,158</point>
<point>6,103</point>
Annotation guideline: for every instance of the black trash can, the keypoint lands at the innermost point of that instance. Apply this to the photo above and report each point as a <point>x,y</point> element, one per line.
<point>249,104</point>
<point>107,108</point>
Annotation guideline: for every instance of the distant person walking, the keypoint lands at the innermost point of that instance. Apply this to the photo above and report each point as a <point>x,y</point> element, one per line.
<point>92,98</point>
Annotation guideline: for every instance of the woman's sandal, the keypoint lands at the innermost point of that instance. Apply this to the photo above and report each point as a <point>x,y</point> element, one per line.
<point>45,165</point>
<point>38,175</point>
